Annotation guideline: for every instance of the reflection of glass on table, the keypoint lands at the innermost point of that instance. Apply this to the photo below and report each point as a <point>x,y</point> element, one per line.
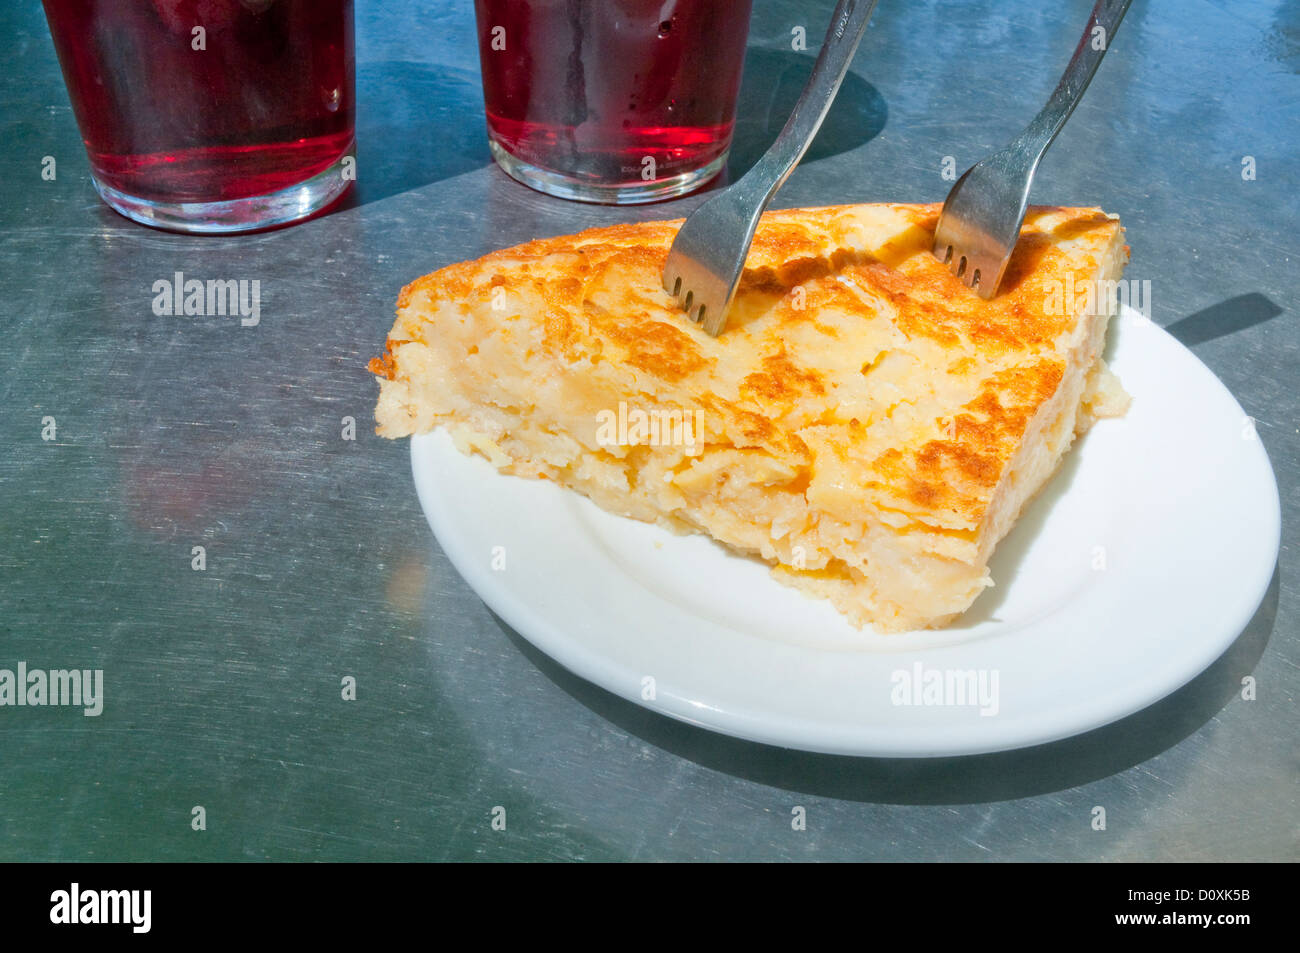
<point>211,115</point>
<point>611,100</point>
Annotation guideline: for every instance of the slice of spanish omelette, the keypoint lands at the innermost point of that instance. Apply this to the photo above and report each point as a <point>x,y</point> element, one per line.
<point>866,424</point>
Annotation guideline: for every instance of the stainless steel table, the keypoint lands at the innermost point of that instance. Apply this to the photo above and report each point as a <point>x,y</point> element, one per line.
<point>223,686</point>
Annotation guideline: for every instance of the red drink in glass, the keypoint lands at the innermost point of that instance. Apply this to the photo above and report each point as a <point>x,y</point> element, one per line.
<point>611,100</point>
<point>211,115</point>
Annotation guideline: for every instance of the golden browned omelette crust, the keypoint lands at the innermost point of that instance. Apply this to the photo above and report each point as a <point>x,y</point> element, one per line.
<point>866,423</point>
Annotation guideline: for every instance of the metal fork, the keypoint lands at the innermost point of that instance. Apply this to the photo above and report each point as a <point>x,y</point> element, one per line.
<point>982,215</point>
<point>708,254</point>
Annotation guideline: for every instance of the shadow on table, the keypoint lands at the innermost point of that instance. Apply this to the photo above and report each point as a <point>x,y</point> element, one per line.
<point>969,779</point>
<point>769,89</point>
<point>1226,317</point>
<point>416,124</point>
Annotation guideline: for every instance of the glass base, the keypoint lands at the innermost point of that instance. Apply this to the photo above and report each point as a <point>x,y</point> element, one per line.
<point>236,215</point>
<point>567,187</point>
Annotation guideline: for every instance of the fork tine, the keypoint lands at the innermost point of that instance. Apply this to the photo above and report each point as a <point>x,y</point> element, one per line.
<point>682,295</point>
<point>672,280</point>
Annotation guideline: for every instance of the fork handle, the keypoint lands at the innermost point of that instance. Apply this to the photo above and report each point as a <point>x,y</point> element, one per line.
<point>1094,43</point>
<point>848,24</point>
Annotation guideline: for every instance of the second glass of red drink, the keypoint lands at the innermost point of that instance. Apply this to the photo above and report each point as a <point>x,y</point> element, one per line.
<point>616,101</point>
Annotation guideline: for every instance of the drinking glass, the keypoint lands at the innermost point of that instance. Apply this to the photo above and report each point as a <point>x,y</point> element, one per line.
<point>616,101</point>
<point>211,115</point>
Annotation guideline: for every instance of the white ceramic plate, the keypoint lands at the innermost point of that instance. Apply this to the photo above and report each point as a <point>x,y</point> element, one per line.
<point>1138,565</point>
